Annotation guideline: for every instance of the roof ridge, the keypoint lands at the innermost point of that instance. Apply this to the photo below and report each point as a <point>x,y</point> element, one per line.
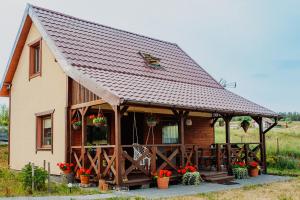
<point>98,24</point>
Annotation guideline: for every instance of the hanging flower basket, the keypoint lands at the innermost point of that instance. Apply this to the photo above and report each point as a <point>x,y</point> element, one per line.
<point>99,120</point>
<point>152,121</point>
<point>245,125</point>
<point>76,124</point>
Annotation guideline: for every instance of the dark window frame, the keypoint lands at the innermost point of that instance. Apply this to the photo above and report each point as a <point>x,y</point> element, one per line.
<point>40,117</point>
<point>35,71</point>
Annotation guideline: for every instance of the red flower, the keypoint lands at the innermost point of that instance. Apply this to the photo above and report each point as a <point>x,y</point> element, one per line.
<point>92,116</point>
<point>169,173</point>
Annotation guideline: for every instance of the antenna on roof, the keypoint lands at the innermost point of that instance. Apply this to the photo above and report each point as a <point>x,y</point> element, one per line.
<point>227,85</point>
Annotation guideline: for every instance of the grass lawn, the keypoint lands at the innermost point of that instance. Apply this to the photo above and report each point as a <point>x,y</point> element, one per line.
<point>283,158</point>
<point>10,183</point>
<point>289,190</point>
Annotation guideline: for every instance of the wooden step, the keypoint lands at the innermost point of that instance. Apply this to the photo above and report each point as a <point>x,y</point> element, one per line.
<point>220,179</point>
<point>211,173</point>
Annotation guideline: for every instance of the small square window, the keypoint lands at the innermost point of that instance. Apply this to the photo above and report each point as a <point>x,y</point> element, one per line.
<point>35,58</point>
<point>44,130</point>
<point>170,134</point>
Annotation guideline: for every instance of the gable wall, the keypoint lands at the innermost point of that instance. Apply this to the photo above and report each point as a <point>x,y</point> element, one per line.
<point>33,96</point>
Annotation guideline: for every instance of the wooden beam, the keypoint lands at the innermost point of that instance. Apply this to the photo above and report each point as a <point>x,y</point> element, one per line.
<point>214,120</point>
<point>118,149</point>
<point>123,110</point>
<point>88,104</point>
<point>175,112</point>
<point>272,126</point>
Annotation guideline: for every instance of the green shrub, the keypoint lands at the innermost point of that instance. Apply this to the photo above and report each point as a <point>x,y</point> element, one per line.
<point>240,172</point>
<point>283,162</point>
<point>40,176</point>
<point>191,178</point>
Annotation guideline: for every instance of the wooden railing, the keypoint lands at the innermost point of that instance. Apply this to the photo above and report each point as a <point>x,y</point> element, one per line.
<point>99,159</point>
<point>226,154</point>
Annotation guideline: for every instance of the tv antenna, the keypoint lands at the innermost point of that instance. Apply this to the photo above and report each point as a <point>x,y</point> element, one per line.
<point>225,84</point>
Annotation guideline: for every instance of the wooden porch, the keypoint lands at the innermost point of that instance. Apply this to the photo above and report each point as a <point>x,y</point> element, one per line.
<point>116,162</point>
<point>102,160</point>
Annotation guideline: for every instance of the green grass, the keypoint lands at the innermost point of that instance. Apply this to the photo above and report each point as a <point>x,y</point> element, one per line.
<point>10,183</point>
<point>284,157</point>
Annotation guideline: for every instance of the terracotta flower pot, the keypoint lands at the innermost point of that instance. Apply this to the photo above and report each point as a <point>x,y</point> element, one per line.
<point>163,183</point>
<point>66,172</point>
<point>253,172</point>
<point>84,179</point>
<point>101,183</point>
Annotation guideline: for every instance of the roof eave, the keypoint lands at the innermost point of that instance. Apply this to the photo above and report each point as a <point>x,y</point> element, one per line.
<point>182,107</point>
<point>3,90</point>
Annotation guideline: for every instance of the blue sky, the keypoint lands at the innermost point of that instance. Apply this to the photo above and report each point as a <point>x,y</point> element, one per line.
<point>254,43</point>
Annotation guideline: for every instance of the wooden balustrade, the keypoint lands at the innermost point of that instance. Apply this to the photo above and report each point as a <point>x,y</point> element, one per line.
<point>99,159</point>
<point>152,158</point>
<point>226,154</point>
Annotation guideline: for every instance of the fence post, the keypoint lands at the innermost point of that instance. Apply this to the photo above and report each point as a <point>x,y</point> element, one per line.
<point>32,177</point>
<point>277,146</point>
<point>48,176</point>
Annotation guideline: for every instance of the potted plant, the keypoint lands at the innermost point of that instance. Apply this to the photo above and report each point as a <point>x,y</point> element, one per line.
<point>239,170</point>
<point>245,123</point>
<point>190,175</point>
<point>84,176</point>
<point>151,121</point>
<point>76,124</point>
<point>163,179</point>
<point>253,168</point>
<point>66,168</point>
<point>99,120</point>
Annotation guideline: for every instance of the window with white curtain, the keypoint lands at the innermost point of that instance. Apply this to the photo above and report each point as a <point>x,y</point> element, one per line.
<point>170,134</point>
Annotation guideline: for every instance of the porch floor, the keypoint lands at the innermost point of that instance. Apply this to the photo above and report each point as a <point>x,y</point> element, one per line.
<point>174,190</point>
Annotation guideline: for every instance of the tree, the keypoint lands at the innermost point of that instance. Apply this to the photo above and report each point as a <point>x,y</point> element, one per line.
<point>3,115</point>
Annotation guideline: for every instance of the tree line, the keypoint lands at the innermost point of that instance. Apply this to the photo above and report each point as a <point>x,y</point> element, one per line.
<point>290,116</point>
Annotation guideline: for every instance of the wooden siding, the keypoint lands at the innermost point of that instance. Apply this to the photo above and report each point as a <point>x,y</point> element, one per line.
<point>80,94</point>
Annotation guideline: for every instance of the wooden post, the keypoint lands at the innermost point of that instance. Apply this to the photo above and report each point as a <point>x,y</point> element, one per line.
<point>118,149</point>
<point>83,133</point>
<point>49,176</point>
<point>32,177</point>
<point>246,149</point>
<point>153,159</point>
<point>262,143</point>
<point>227,120</point>
<point>218,157</point>
<point>181,125</point>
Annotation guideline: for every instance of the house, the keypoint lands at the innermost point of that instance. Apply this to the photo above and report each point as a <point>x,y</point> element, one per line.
<point>64,70</point>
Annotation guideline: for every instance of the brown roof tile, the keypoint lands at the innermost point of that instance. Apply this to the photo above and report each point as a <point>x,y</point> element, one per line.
<point>111,58</point>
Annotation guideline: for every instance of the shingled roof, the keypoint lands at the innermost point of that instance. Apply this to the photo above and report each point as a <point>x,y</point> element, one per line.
<point>108,62</point>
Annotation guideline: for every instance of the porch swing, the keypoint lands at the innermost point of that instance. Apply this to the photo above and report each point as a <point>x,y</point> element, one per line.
<point>139,150</point>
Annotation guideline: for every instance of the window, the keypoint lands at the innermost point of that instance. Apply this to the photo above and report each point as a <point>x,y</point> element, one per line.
<point>170,134</point>
<point>35,61</point>
<point>44,130</point>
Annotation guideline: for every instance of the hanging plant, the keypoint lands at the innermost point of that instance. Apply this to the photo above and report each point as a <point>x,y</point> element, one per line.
<point>245,124</point>
<point>99,120</point>
<point>76,124</point>
<point>151,121</point>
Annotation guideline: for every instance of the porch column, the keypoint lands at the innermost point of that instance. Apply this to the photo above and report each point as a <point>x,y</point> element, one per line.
<point>181,130</point>
<point>83,133</point>
<point>118,150</point>
<point>227,120</point>
<point>262,142</point>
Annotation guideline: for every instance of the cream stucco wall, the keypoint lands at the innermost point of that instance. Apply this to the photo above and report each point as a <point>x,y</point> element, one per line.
<point>33,96</point>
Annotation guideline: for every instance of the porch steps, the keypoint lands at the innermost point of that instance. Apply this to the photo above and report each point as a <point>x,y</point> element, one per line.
<point>216,177</point>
